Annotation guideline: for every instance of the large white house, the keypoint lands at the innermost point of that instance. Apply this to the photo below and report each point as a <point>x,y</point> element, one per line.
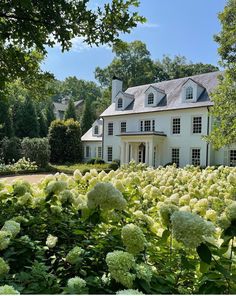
<point>159,123</point>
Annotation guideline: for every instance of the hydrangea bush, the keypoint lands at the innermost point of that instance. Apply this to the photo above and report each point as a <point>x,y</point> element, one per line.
<point>136,230</point>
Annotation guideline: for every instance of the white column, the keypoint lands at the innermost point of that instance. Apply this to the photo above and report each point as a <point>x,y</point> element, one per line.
<point>127,153</point>
<point>146,152</point>
<point>151,153</point>
<point>122,157</point>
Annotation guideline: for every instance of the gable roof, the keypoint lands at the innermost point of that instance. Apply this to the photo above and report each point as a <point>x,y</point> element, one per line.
<point>89,137</point>
<point>172,100</point>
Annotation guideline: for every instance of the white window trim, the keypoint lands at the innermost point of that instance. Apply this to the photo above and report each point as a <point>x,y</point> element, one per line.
<point>120,124</point>
<point>120,108</point>
<point>229,152</point>
<point>190,158</point>
<point>191,131</point>
<point>85,151</point>
<point>171,126</point>
<point>151,119</point>
<point>107,153</point>
<point>171,153</point>
<point>108,128</point>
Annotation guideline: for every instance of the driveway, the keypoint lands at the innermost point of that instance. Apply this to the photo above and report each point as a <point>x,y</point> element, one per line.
<point>30,178</point>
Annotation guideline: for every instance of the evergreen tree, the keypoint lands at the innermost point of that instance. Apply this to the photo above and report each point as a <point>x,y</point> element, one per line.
<point>6,127</point>
<point>87,117</point>
<point>43,128</point>
<point>50,116</point>
<point>70,111</point>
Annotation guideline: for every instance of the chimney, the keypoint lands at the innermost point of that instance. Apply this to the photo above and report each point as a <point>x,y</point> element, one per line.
<point>116,87</point>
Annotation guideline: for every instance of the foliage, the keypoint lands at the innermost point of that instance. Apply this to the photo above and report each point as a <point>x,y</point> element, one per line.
<point>64,246</point>
<point>83,167</point>
<point>70,112</point>
<point>22,165</point>
<point>87,118</point>
<point>37,150</point>
<point>10,149</point>
<point>64,140</point>
<point>6,125</point>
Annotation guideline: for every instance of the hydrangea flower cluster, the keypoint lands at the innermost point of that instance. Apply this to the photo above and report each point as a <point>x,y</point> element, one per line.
<point>144,272</point>
<point>11,226</point>
<point>51,241</point>
<point>119,264</point>
<point>133,238</point>
<point>76,285</point>
<point>129,292</point>
<point>231,211</point>
<point>8,290</point>
<point>190,229</point>
<point>166,210</point>
<point>5,237</point>
<point>66,196</point>
<point>106,196</point>
<point>55,187</point>
<point>4,268</point>
<point>20,187</point>
<point>73,256</point>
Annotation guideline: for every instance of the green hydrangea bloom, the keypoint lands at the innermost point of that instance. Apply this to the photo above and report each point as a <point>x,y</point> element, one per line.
<point>55,187</point>
<point>20,187</point>
<point>133,238</point>
<point>119,264</point>
<point>66,196</point>
<point>11,226</point>
<point>144,272</point>
<point>129,292</point>
<point>4,268</point>
<point>106,196</point>
<point>5,237</point>
<point>74,255</point>
<point>8,290</point>
<point>166,210</point>
<point>76,285</point>
<point>231,211</point>
<point>190,229</point>
<point>51,241</point>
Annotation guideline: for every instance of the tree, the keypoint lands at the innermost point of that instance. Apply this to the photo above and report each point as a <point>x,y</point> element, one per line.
<point>87,117</point>
<point>224,97</point>
<point>43,127</point>
<point>50,116</point>
<point>6,126</point>
<point>70,112</point>
<point>27,26</point>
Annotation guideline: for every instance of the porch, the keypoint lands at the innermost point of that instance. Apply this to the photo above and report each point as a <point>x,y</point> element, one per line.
<point>143,147</point>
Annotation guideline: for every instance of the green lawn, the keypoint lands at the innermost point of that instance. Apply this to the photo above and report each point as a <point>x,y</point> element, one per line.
<point>83,167</point>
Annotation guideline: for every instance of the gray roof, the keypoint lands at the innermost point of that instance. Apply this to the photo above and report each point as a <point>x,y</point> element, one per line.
<point>88,136</point>
<point>60,106</point>
<point>78,103</point>
<point>172,99</point>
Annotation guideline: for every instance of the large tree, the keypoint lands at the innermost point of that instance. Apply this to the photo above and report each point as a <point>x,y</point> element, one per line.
<point>224,97</point>
<point>28,27</point>
<point>87,118</point>
<point>70,111</point>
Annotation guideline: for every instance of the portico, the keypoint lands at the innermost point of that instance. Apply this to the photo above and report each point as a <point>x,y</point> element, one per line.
<point>143,147</point>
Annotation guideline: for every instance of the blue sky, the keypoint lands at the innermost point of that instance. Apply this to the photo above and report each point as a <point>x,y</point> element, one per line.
<point>174,27</point>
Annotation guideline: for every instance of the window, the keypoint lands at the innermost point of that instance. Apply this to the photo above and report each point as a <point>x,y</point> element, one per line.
<point>123,127</point>
<point>153,125</point>
<point>196,156</point>
<point>175,156</point>
<point>232,158</point>
<point>96,130</point>
<point>87,151</point>
<point>150,99</point>
<point>99,152</point>
<point>189,93</point>
<point>110,128</point>
<point>197,125</point>
<point>147,125</point>
<point>120,103</point>
<point>176,126</point>
<point>109,153</point>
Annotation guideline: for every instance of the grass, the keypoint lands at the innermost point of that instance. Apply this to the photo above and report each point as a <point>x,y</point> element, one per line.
<point>83,167</point>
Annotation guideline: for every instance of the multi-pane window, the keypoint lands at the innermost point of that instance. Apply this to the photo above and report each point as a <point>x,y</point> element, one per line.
<point>197,125</point>
<point>150,99</point>
<point>87,151</point>
<point>176,126</point>
<point>232,157</point>
<point>96,130</point>
<point>99,152</point>
<point>189,93</point>
<point>147,125</point>
<point>196,156</point>
<point>110,128</point>
<point>123,127</point>
<point>175,156</point>
<point>109,153</point>
<point>120,103</point>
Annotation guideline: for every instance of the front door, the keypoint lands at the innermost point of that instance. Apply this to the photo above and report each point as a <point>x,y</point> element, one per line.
<point>141,153</point>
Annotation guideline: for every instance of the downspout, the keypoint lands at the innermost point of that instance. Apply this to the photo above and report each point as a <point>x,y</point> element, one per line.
<point>102,136</point>
<point>207,145</point>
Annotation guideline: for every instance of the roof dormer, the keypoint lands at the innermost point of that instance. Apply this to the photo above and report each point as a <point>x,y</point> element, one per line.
<point>122,100</point>
<point>191,91</point>
<point>153,96</point>
<point>97,128</point>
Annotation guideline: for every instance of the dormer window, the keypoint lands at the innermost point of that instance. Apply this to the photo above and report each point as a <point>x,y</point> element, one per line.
<point>189,93</point>
<point>96,130</point>
<point>150,99</point>
<point>120,103</point>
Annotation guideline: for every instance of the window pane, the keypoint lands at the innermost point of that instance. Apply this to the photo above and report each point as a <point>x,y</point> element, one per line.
<point>196,156</point>
<point>99,152</point>
<point>96,130</point>
<point>150,99</point>
<point>120,103</point>
<point>110,128</point>
<point>175,156</point>
<point>147,125</point>
<point>189,93</point>
<point>232,158</point>
<point>123,127</point>
<point>197,125</point>
<point>109,153</point>
<point>176,126</point>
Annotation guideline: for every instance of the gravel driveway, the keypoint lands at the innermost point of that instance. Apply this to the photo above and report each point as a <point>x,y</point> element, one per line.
<point>30,178</point>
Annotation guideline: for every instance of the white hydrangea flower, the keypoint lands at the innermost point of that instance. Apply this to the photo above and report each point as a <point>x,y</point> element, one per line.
<point>51,241</point>
<point>8,290</point>
<point>4,268</point>
<point>77,175</point>
<point>76,285</point>
<point>133,238</point>
<point>190,229</point>
<point>55,209</point>
<point>55,187</point>
<point>12,226</point>
<point>119,264</point>
<point>74,255</point>
<point>106,196</point>
<point>211,215</point>
<point>166,210</point>
<point>5,237</point>
<point>231,211</point>
<point>144,272</point>
<point>129,292</point>
<point>66,196</point>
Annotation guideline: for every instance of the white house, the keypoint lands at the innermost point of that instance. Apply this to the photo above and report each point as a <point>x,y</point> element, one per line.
<point>161,123</point>
<point>59,109</point>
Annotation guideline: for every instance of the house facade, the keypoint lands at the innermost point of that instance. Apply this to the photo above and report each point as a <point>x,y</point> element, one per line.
<point>163,123</point>
<point>59,109</point>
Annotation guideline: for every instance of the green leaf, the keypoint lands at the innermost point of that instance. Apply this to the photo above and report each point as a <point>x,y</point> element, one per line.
<point>204,253</point>
<point>204,267</point>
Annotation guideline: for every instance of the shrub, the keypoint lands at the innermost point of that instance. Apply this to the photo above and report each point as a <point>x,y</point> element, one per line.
<point>113,165</point>
<point>99,161</point>
<point>22,165</point>
<point>36,149</point>
<point>10,150</point>
<point>64,139</point>
<point>91,161</point>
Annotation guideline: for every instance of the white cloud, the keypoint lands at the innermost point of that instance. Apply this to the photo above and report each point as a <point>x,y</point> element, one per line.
<point>148,25</point>
<point>78,45</point>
